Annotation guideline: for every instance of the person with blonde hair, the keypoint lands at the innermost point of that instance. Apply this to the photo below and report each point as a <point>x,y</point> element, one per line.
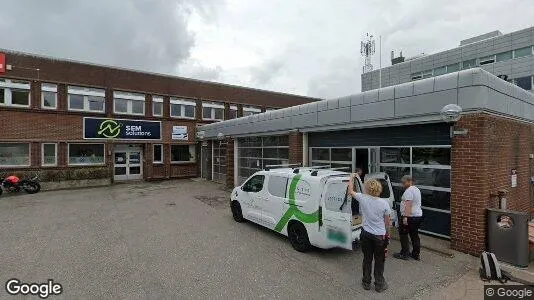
<point>374,237</point>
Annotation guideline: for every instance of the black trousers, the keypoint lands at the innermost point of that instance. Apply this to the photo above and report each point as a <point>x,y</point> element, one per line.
<point>412,231</point>
<point>373,247</point>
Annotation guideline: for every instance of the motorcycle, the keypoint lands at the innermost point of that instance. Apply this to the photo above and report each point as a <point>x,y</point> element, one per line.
<point>30,186</point>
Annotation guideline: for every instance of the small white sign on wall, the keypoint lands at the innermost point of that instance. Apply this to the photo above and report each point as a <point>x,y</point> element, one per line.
<point>513,175</point>
<point>180,133</point>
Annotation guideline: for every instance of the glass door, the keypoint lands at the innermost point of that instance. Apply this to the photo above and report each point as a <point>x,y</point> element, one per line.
<point>134,165</point>
<point>121,166</point>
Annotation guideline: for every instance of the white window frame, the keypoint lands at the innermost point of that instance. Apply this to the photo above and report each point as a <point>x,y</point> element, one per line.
<point>160,161</point>
<point>157,99</point>
<point>78,164</point>
<point>253,110</point>
<point>213,106</point>
<point>129,97</point>
<point>85,92</point>
<point>531,52</point>
<point>29,156</point>
<point>43,155</point>
<point>183,161</point>
<point>9,84</point>
<point>182,104</point>
<point>48,88</point>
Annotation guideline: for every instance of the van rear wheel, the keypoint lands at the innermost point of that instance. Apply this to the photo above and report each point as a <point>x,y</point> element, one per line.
<point>236,212</point>
<point>298,237</point>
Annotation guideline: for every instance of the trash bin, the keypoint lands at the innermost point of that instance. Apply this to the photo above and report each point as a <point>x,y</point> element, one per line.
<point>508,236</point>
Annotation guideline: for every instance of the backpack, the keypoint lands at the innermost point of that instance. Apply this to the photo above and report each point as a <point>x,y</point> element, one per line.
<point>491,270</point>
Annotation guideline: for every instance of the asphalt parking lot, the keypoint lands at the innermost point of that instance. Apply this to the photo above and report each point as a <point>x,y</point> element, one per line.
<point>177,239</point>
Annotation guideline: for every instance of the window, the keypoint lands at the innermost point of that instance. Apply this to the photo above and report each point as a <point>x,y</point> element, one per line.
<point>182,153</point>
<point>453,68</point>
<point>183,109</point>
<point>336,198</point>
<point>49,154</point>
<point>249,111</point>
<point>158,154</point>
<point>332,157</point>
<point>157,106</point>
<point>524,82</point>
<point>254,184</point>
<point>86,154</point>
<point>14,154</point>
<point>440,71</point>
<point>212,111</point>
<point>427,74</point>
<point>86,99</point>
<point>233,112</point>
<point>527,51</point>
<point>468,64</point>
<point>503,56</point>
<point>14,93</point>
<point>49,96</point>
<point>129,103</point>
<point>256,153</point>
<point>417,76</point>
<point>487,60</point>
<point>277,186</point>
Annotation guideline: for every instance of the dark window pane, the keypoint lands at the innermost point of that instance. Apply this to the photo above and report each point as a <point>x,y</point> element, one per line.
<point>440,71</point>
<point>182,153</point>
<point>138,107</point>
<point>395,155</point>
<point>233,114</point>
<point>283,153</point>
<point>121,105</point>
<point>469,64</point>
<point>270,152</point>
<point>219,113</point>
<point>504,56</point>
<point>120,170</point>
<point>20,97</point>
<point>158,108</point>
<point>432,177</point>
<point>157,153</point>
<point>120,158</point>
<point>320,154</point>
<point>49,99</point>
<point>96,103</point>
<point>431,156</point>
<point>86,154</point>
<point>524,82</point>
<point>344,154</point>
<point>135,170</point>
<point>395,173</point>
<point>189,111</point>
<point>453,68</point>
<point>206,112</point>
<point>436,222</point>
<point>436,199</point>
<point>527,51</point>
<point>176,110</point>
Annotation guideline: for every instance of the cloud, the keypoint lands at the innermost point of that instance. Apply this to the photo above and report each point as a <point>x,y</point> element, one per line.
<point>141,34</point>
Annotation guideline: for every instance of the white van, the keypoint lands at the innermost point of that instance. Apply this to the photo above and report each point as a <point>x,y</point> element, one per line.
<point>311,206</point>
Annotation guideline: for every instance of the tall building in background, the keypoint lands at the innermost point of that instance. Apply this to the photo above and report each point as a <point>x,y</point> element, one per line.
<point>510,55</point>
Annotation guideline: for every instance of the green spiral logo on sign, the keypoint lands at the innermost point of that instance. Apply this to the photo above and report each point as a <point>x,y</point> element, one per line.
<point>109,129</point>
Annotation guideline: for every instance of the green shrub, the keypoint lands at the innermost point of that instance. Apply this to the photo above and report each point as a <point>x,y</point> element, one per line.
<point>61,175</point>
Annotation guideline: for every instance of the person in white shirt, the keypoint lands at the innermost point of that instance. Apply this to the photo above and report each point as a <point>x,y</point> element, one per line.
<point>410,220</point>
<point>374,237</point>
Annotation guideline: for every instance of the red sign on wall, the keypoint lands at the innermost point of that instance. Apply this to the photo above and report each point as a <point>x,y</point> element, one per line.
<point>2,63</point>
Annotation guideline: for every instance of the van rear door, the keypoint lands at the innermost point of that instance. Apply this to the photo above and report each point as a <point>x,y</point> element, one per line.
<point>387,190</point>
<point>336,213</point>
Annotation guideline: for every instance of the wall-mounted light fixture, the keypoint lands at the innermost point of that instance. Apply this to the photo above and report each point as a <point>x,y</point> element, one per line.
<point>452,113</point>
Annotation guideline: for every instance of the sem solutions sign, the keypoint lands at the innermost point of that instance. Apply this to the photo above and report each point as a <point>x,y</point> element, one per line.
<point>103,128</point>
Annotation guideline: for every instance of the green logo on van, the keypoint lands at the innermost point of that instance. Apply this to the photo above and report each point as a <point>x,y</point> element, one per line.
<point>293,210</point>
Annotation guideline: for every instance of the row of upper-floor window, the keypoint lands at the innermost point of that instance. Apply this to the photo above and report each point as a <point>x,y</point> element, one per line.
<point>16,93</point>
<point>472,63</point>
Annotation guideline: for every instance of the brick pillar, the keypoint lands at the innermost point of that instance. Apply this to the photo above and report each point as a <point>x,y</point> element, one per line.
<point>263,108</point>
<point>295,148</point>
<point>62,153</point>
<point>471,176</point>
<point>199,110</point>
<point>148,105</point>
<point>230,164</point>
<point>167,160</point>
<point>62,97</point>
<point>35,97</point>
<point>109,102</point>
<point>166,106</point>
<point>239,110</point>
<point>35,154</point>
<point>227,111</point>
<point>148,171</point>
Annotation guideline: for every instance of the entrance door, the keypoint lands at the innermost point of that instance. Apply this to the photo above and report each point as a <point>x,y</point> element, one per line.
<point>128,163</point>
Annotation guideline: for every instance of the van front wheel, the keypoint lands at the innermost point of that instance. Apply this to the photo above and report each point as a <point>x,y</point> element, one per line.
<point>236,212</point>
<point>298,237</point>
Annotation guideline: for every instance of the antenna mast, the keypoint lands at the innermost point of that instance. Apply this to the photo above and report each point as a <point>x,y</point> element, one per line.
<point>367,50</point>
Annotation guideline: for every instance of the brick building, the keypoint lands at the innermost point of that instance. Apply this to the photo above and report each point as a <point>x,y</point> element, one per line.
<point>459,167</point>
<point>74,120</point>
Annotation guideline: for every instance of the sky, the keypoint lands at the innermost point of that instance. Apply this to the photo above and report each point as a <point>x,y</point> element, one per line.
<point>304,47</point>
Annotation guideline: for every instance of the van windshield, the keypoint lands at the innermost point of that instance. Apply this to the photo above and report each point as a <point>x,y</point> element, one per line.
<point>337,198</point>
